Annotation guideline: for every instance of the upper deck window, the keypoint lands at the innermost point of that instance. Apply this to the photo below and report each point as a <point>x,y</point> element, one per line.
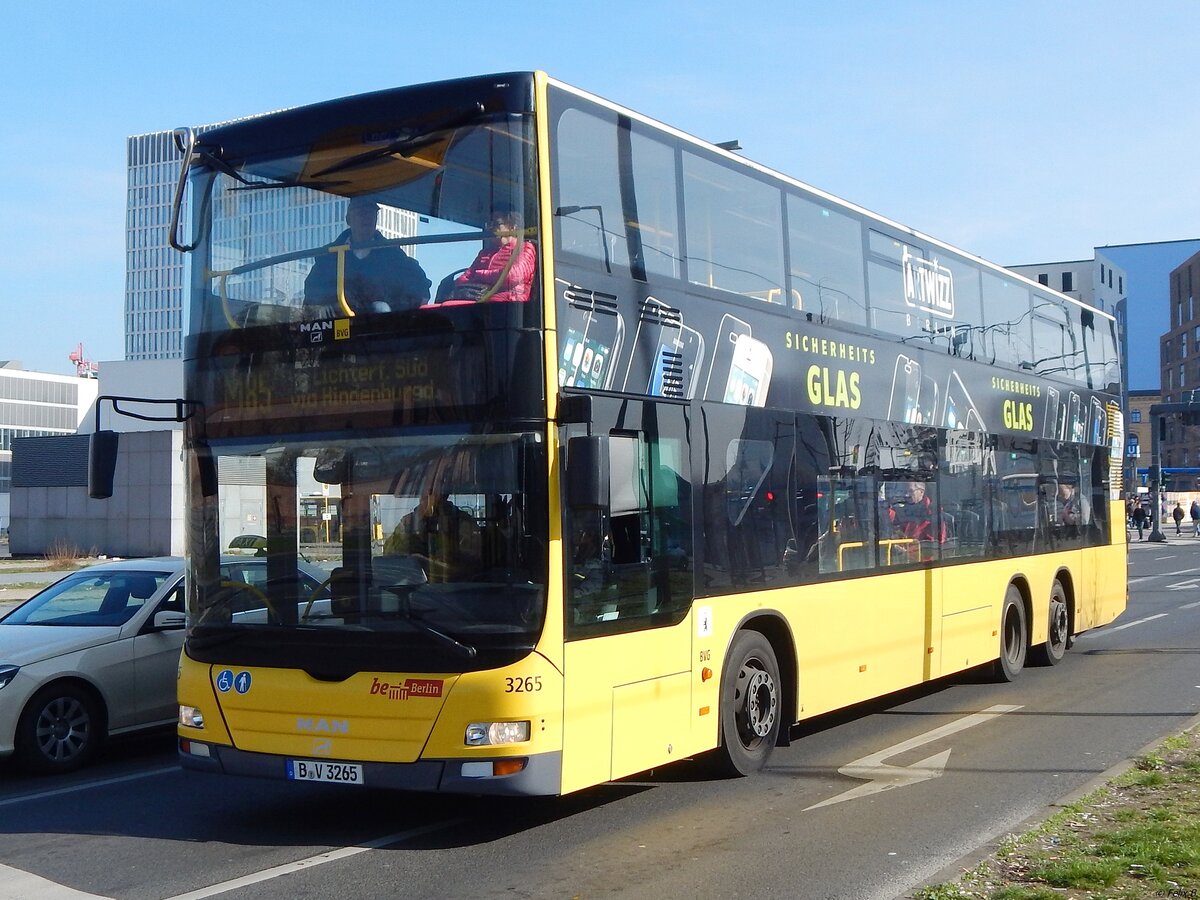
<point>1007,337</point>
<point>627,223</point>
<point>826,259</point>
<point>365,216</point>
<point>734,231</point>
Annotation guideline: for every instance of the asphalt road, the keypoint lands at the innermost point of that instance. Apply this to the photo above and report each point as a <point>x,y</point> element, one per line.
<point>134,826</point>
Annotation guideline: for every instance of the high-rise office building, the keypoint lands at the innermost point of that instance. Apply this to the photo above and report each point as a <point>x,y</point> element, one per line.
<point>153,271</point>
<point>155,319</point>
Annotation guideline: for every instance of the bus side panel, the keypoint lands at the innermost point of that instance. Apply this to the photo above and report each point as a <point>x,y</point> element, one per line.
<point>651,720</point>
<point>1106,574</point>
<point>860,639</point>
<point>627,698</point>
<point>971,612</point>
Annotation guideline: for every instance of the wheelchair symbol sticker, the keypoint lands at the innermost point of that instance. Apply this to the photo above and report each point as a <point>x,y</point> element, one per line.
<point>241,684</point>
<point>225,681</point>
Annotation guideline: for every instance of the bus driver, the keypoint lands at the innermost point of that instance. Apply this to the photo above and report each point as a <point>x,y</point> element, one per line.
<point>377,278</point>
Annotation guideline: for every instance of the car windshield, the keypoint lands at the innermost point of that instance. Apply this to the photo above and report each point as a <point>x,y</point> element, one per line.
<point>91,598</point>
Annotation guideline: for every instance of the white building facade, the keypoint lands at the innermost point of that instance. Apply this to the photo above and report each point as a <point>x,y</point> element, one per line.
<point>36,404</point>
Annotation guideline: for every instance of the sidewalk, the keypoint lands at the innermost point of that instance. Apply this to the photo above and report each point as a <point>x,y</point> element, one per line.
<point>31,583</point>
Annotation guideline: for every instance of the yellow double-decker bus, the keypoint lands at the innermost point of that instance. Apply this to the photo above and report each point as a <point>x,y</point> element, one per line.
<point>641,450</point>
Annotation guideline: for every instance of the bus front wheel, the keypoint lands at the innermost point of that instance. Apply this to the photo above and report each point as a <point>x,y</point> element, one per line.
<point>751,706</point>
<point>1014,636</point>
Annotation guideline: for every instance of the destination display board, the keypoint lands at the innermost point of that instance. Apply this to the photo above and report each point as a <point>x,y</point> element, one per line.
<point>379,371</point>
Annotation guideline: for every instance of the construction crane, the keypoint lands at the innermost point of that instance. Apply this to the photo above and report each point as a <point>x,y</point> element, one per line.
<point>84,368</point>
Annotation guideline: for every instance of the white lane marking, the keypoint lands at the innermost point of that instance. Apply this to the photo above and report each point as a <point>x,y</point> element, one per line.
<point>1161,558</point>
<point>87,785</point>
<point>17,884</point>
<point>1163,575</point>
<point>309,862</point>
<point>1131,624</point>
<point>1183,585</point>
<point>1190,605</point>
<point>882,777</point>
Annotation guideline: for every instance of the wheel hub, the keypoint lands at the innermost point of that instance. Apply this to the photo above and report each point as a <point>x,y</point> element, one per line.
<point>760,703</point>
<point>62,730</point>
<point>1058,623</point>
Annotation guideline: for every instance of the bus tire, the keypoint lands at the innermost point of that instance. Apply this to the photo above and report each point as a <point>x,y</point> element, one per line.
<point>1014,636</point>
<point>751,706</point>
<point>1058,628</point>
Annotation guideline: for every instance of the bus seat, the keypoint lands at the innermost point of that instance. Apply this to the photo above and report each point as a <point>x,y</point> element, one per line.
<point>446,285</point>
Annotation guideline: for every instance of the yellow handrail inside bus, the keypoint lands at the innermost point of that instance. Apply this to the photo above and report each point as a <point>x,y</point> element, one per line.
<point>341,250</point>
<point>892,542</point>
<point>222,277</point>
<point>842,548</point>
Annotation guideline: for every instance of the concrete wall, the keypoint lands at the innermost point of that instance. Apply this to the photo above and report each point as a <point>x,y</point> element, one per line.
<point>144,516</point>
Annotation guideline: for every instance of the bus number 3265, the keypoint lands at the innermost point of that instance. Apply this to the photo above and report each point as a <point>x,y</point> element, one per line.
<point>526,685</point>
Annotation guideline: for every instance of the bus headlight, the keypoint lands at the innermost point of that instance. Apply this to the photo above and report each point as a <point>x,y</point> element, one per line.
<point>7,674</point>
<point>485,733</point>
<point>191,717</point>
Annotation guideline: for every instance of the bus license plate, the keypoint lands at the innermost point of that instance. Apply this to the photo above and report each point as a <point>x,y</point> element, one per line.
<point>317,770</point>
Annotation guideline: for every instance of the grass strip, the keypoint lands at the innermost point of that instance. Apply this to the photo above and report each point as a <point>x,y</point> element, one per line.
<point>1136,838</point>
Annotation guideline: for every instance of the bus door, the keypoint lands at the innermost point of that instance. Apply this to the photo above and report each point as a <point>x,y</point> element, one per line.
<point>629,548</point>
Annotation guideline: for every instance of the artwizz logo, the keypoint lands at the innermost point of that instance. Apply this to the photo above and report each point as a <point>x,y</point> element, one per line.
<point>411,687</point>
<point>928,285</point>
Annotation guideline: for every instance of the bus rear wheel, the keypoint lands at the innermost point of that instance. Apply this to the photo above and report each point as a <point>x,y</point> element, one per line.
<point>1014,636</point>
<point>751,707</point>
<point>1058,629</point>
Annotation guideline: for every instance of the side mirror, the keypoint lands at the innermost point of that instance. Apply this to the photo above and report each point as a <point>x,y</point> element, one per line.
<point>206,470</point>
<point>168,620</point>
<point>102,463</point>
<point>588,472</point>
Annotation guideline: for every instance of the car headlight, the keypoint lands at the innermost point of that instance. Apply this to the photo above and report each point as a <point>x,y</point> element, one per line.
<point>483,733</point>
<point>191,717</point>
<point>7,674</point>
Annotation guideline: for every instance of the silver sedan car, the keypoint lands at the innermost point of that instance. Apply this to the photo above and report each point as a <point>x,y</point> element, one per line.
<point>97,654</point>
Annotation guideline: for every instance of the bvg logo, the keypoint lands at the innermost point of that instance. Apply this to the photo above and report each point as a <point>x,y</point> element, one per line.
<point>412,687</point>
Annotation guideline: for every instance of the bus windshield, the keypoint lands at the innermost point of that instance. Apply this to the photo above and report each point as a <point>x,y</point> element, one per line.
<point>429,541</point>
<point>364,216</point>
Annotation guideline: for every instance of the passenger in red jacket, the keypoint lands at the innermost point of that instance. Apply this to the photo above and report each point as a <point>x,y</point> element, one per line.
<point>504,269</point>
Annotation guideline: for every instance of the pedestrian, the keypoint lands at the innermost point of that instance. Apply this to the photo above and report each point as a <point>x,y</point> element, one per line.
<point>1177,514</point>
<point>1139,520</point>
<point>1195,513</point>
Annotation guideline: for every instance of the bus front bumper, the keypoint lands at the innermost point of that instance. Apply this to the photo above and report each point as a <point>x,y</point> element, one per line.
<point>541,775</point>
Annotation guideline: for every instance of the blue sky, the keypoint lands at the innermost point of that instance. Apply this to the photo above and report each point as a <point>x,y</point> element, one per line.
<point>1024,131</point>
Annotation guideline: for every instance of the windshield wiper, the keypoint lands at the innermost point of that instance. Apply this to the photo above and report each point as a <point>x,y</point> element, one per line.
<point>245,184</point>
<point>406,146</point>
<point>220,165</point>
<point>465,650</point>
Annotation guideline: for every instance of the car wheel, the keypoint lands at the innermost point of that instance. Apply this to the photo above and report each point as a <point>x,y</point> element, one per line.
<point>60,730</point>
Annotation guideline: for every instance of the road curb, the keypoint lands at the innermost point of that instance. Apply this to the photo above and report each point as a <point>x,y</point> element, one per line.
<point>955,870</point>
